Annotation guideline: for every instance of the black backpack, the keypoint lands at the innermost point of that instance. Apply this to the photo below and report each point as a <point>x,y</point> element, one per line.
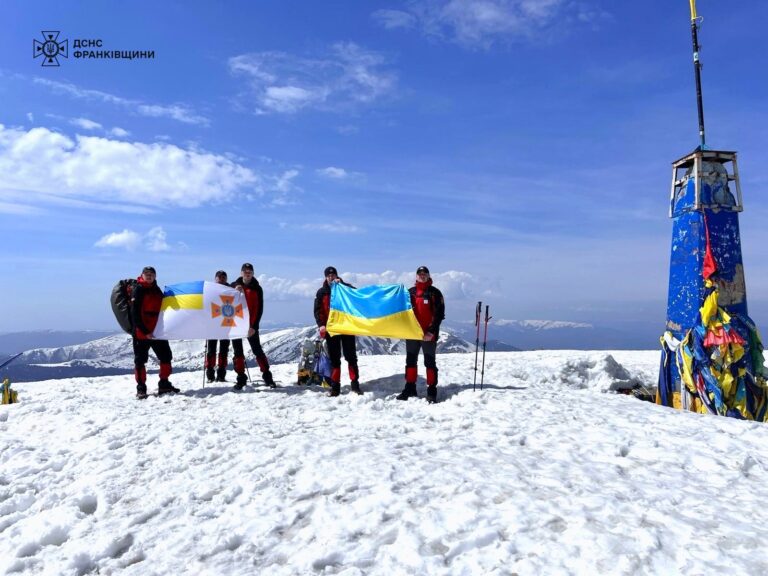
<point>121,299</point>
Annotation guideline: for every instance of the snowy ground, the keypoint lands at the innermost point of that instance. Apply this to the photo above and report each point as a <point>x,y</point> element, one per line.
<point>539,473</point>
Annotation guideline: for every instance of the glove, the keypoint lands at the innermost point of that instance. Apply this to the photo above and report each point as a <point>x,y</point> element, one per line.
<point>322,332</point>
<point>428,336</point>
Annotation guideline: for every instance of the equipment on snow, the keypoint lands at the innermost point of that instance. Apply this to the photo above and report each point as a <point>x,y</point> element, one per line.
<point>311,350</point>
<point>9,396</point>
<point>477,339</point>
<point>121,298</point>
<point>485,341</point>
<point>323,367</point>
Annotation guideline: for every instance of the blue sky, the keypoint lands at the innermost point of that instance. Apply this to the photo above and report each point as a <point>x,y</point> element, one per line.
<point>519,148</point>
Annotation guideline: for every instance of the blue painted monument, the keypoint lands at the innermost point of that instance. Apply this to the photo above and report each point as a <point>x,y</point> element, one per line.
<point>711,351</point>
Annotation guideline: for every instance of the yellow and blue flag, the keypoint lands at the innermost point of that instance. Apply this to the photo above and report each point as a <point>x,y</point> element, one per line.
<point>201,309</point>
<point>381,310</point>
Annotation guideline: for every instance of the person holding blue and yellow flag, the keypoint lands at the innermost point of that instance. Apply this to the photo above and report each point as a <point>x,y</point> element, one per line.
<point>337,342</point>
<point>429,307</point>
<point>147,300</point>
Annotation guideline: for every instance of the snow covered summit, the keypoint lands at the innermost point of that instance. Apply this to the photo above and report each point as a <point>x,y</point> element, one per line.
<point>541,472</point>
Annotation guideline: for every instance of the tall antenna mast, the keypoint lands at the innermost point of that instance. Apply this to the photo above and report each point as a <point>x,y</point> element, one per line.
<point>695,21</point>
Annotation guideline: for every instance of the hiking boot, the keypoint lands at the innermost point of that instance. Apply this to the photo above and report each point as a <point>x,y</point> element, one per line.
<point>209,375</point>
<point>268,380</point>
<point>221,375</point>
<point>241,380</point>
<point>335,389</point>
<point>408,392</point>
<point>239,386</point>
<point>141,391</point>
<point>355,387</point>
<point>432,394</point>
<point>165,387</point>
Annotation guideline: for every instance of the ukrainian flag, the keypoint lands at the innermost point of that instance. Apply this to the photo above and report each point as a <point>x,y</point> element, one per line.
<point>380,310</point>
<point>202,309</point>
<point>184,296</point>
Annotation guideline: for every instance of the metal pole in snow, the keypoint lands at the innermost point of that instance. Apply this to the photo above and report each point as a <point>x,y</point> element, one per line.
<point>477,339</point>
<point>485,341</point>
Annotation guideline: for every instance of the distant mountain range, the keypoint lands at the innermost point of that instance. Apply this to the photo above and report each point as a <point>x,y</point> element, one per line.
<point>113,354</point>
<point>59,354</point>
<point>15,342</point>
<point>561,335</point>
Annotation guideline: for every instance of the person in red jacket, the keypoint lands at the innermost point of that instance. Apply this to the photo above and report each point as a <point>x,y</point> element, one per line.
<point>145,309</point>
<point>223,345</point>
<point>254,295</point>
<point>338,342</point>
<point>429,307</point>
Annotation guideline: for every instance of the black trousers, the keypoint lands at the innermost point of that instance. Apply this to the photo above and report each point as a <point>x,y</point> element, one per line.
<point>412,348</point>
<point>255,342</point>
<point>141,349</point>
<point>338,343</point>
<point>224,348</point>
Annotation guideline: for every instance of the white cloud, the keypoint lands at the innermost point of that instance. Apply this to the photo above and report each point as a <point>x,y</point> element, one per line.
<point>283,188</point>
<point>277,288</point>
<point>119,132</point>
<point>333,172</point>
<point>85,124</point>
<point>31,117</point>
<point>481,23</point>
<point>333,228</point>
<point>155,240</point>
<point>453,284</point>
<point>391,19</point>
<point>127,239</point>
<point>178,112</point>
<point>347,130</point>
<point>281,83</point>
<point>18,209</point>
<point>159,175</point>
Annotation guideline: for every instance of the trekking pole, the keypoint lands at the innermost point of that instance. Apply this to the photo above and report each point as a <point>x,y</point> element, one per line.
<point>477,339</point>
<point>247,371</point>
<point>485,340</point>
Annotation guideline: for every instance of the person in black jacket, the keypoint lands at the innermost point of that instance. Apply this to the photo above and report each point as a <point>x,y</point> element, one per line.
<point>339,342</point>
<point>429,307</point>
<point>254,295</point>
<point>146,301</point>
<point>223,345</point>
